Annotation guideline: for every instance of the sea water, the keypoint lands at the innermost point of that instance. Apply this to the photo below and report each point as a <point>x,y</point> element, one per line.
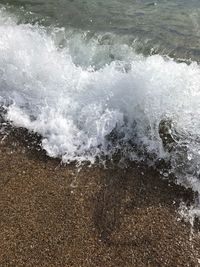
<point>102,78</point>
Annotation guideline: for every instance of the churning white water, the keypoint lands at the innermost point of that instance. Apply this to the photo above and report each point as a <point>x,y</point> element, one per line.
<point>89,98</point>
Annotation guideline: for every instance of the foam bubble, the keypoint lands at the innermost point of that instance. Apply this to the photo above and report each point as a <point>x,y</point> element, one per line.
<point>84,110</point>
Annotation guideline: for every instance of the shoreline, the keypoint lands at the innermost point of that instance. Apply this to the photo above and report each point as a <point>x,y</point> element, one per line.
<point>53,215</point>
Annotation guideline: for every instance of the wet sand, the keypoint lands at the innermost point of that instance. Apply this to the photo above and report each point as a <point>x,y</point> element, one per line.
<point>53,215</point>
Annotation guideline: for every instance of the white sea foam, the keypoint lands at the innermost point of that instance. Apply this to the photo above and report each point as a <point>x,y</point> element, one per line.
<point>83,111</point>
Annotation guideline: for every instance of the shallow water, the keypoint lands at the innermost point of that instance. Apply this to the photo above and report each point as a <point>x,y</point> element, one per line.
<point>165,26</point>
<point>95,79</point>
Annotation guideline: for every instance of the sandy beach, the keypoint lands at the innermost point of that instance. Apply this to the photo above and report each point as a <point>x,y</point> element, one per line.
<point>53,215</point>
<point>108,81</point>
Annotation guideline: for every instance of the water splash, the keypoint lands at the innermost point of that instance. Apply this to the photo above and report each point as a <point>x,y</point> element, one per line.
<point>89,97</point>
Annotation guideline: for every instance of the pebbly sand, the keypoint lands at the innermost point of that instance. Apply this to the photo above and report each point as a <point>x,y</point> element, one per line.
<point>53,215</point>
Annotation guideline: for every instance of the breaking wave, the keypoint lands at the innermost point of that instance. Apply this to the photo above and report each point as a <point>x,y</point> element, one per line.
<point>91,96</point>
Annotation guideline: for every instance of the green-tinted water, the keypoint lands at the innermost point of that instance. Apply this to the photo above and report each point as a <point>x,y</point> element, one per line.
<point>166,26</point>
